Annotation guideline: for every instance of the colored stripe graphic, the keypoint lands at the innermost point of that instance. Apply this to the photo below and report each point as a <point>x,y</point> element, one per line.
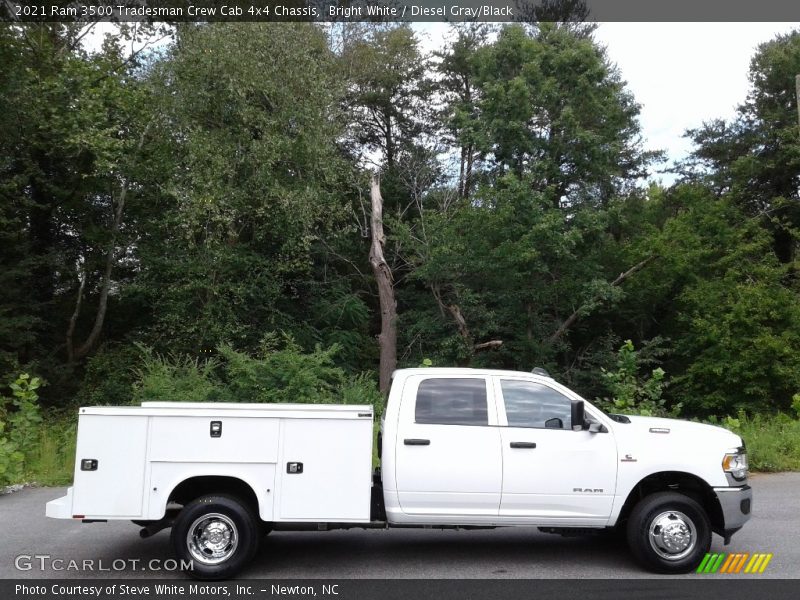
<point>765,563</point>
<point>701,568</point>
<point>728,563</point>
<point>718,564</point>
<point>722,562</point>
<point>740,564</point>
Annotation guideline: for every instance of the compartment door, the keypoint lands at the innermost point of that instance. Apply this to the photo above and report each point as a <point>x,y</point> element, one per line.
<point>325,470</point>
<point>116,487</point>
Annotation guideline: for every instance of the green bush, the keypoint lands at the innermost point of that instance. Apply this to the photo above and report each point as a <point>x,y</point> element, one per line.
<point>281,372</point>
<point>632,393</point>
<point>773,441</point>
<point>19,427</point>
<point>52,460</point>
<point>362,389</point>
<point>109,376</point>
<point>176,378</point>
<point>11,459</point>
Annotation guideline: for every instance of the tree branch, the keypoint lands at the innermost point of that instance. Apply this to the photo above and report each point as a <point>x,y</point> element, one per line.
<point>618,281</point>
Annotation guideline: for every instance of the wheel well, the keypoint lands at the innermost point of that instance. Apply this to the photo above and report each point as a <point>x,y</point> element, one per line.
<point>676,481</point>
<point>194,487</point>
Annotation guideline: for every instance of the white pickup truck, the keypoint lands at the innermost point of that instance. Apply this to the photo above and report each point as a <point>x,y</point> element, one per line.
<point>458,448</point>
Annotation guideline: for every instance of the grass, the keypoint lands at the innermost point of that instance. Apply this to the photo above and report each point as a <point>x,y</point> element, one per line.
<point>773,442</point>
<point>52,460</point>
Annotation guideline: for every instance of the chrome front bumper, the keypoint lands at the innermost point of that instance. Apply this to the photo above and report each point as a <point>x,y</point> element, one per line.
<point>737,505</point>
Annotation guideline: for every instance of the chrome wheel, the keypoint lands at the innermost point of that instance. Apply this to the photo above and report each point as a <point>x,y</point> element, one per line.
<point>212,539</point>
<point>672,535</point>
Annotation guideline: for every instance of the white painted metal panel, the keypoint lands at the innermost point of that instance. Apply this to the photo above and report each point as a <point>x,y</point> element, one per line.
<point>165,477</point>
<point>336,474</point>
<point>188,439</point>
<point>459,473</point>
<point>567,475</point>
<point>119,445</point>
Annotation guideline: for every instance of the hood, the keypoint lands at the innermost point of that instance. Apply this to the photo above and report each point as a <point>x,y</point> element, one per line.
<point>676,428</point>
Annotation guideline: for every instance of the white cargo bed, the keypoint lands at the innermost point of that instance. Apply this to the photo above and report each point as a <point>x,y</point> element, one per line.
<point>143,453</point>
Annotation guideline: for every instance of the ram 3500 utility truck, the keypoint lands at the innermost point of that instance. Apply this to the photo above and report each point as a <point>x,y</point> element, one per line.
<point>458,448</point>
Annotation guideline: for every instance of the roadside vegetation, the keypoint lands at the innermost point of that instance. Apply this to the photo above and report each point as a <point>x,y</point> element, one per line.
<point>201,229</point>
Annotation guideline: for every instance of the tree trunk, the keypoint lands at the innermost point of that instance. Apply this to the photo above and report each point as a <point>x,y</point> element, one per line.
<point>387,340</point>
<point>105,285</point>
<point>461,325</point>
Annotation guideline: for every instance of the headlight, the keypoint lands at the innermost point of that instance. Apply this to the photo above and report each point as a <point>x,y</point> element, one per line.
<point>735,463</point>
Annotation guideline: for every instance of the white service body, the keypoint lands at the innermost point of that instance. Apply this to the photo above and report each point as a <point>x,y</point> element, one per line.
<point>144,453</point>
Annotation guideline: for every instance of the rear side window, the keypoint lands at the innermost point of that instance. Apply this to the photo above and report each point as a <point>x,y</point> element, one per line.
<point>531,404</point>
<point>452,402</point>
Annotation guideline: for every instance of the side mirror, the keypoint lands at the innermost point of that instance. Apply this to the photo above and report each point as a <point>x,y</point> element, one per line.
<point>597,428</point>
<point>577,415</point>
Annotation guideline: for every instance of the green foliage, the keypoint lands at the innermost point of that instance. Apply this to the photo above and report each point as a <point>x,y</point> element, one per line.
<point>773,441</point>
<point>52,460</point>
<point>20,421</point>
<point>11,459</point>
<point>362,389</point>
<point>176,378</point>
<point>109,375</point>
<point>281,372</point>
<point>632,393</point>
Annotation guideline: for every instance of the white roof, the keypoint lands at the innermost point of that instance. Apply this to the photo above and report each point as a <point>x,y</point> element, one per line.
<point>462,371</point>
<point>235,409</point>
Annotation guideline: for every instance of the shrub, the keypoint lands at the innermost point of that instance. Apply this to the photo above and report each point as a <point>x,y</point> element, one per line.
<point>773,441</point>
<point>109,376</point>
<point>631,393</point>
<point>283,373</point>
<point>176,378</point>
<point>19,427</point>
<point>362,389</point>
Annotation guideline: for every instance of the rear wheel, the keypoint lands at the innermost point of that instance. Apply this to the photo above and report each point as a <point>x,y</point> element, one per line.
<point>669,532</point>
<point>218,534</point>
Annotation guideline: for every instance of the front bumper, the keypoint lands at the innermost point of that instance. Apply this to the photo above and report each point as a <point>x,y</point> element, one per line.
<point>737,505</point>
<point>60,508</point>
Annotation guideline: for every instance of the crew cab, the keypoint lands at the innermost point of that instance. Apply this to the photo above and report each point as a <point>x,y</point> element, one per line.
<point>457,448</point>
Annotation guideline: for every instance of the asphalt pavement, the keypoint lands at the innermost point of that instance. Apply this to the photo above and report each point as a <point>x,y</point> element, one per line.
<point>115,550</point>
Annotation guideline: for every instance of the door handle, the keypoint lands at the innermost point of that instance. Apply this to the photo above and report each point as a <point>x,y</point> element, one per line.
<point>416,442</point>
<point>523,444</point>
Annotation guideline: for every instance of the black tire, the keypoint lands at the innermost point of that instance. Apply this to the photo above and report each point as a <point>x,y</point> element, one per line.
<point>679,513</point>
<point>219,534</point>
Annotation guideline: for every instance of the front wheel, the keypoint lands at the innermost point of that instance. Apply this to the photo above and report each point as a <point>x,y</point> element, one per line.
<point>669,532</point>
<point>218,534</point>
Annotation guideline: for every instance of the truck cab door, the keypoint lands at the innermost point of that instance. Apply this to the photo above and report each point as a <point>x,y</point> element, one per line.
<point>551,473</point>
<point>448,459</point>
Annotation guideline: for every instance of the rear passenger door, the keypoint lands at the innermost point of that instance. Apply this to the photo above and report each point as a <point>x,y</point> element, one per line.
<point>448,454</point>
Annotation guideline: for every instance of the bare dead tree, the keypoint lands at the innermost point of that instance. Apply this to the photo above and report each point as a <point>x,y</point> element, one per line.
<point>387,340</point>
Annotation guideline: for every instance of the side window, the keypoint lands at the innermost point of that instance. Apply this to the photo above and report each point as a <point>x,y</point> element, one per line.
<point>452,402</point>
<point>530,404</point>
